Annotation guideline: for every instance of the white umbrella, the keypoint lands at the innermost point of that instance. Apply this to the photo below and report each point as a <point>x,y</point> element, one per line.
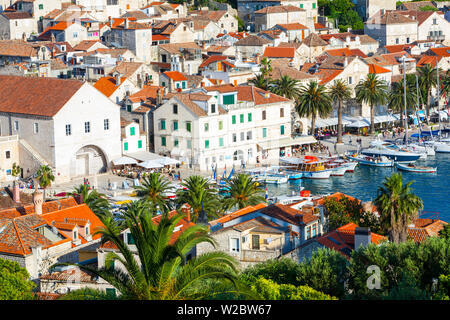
<point>150,164</point>
<point>123,161</point>
<point>359,124</point>
<point>166,161</point>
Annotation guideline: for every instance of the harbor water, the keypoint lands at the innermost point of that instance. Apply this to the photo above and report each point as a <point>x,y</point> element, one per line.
<point>432,188</point>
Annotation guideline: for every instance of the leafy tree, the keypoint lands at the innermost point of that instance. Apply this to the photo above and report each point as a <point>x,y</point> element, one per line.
<point>96,201</point>
<point>14,283</point>
<point>15,172</point>
<point>282,271</point>
<point>325,271</point>
<point>260,81</point>
<point>407,289</point>
<point>269,290</point>
<point>199,194</point>
<point>340,92</point>
<point>285,87</point>
<point>158,269</point>
<point>445,232</point>
<point>45,177</point>
<point>397,206</point>
<point>396,98</point>
<point>244,191</point>
<point>313,100</point>
<point>266,66</point>
<point>428,8</point>
<point>443,290</point>
<point>372,91</point>
<point>88,294</point>
<point>427,81</point>
<point>155,188</point>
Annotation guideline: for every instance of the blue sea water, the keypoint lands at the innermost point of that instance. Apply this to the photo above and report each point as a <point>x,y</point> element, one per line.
<point>432,188</point>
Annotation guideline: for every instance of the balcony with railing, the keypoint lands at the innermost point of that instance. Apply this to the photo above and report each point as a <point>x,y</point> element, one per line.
<point>438,37</point>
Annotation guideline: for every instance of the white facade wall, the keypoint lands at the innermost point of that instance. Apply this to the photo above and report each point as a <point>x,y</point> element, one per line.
<point>14,29</point>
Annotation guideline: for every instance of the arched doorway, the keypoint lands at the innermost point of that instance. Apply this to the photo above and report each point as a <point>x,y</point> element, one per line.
<point>89,160</point>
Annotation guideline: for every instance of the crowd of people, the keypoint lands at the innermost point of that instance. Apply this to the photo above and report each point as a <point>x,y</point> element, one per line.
<point>132,172</point>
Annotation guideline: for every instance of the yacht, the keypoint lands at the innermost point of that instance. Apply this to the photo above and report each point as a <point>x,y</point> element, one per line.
<point>310,167</point>
<point>390,151</point>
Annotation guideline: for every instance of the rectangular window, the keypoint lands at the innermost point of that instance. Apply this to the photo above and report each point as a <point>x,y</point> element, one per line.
<point>264,114</point>
<point>281,112</point>
<point>255,242</point>
<point>213,108</point>
<point>139,144</point>
<point>234,137</point>
<point>183,85</point>
<point>249,135</point>
<point>241,118</point>
<point>206,144</point>
<point>188,126</point>
<point>106,124</point>
<point>175,143</point>
<point>125,146</point>
<point>308,232</point>
<point>350,80</point>
<point>282,130</point>
<point>220,142</point>
<point>163,141</point>
<point>41,7</point>
<point>249,117</point>
<point>189,144</point>
<point>87,127</point>
<point>132,131</point>
<point>16,125</point>
<point>175,109</point>
<point>220,125</point>
<point>264,132</point>
<point>36,128</point>
<point>206,127</point>
<point>229,99</point>
<point>233,119</point>
<point>234,244</point>
<point>242,136</point>
<point>175,125</point>
<point>75,34</point>
<point>130,238</point>
<point>163,124</point>
<point>68,129</point>
<point>301,5</point>
<point>313,5</point>
<point>8,154</point>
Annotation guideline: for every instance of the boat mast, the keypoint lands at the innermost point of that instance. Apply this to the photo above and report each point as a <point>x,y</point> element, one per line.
<point>417,110</point>
<point>437,88</point>
<point>405,139</point>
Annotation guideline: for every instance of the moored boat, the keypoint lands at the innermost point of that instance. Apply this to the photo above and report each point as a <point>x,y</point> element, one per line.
<point>381,161</point>
<point>310,167</point>
<point>413,168</point>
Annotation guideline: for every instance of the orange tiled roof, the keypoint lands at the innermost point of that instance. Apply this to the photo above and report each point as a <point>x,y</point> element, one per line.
<point>107,85</point>
<point>147,93</point>
<point>373,68</point>
<point>346,52</point>
<point>212,59</point>
<point>293,26</point>
<point>175,75</point>
<point>258,96</point>
<point>288,214</point>
<point>238,213</point>
<point>427,60</point>
<point>279,52</point>
<point>441,51</point>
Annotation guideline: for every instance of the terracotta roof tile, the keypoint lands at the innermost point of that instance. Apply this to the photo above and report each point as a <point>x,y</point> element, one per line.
<point>279,9</point>
<point>175,75</point>
<point>279,52</point>
<point>107,85</point>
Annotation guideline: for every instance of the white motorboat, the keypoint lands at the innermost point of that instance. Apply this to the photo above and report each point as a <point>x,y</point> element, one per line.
<point>442,146</point>
<point>391,151</point>
<point>275,179</point>
<point>381,161</point>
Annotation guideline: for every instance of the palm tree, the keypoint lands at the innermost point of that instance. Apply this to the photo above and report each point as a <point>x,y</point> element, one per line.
<point>313,100</point>
<point>396,98</point>
<point>266,66</point>
<point>427,81</point>
<point>199,195</point>
<point>260,81</point>
<point>340,92</point>
<point>158,268</point>
<point>96,201</point>
<point>286,87</point>
<point>372,91</point>
<point>244,191</point>
<point>397,206</point>
<point>446,83</point>
<point>155,188</point>
<point>45,177</point>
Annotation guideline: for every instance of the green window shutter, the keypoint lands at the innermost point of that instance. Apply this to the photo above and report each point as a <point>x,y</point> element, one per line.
<point>125,146</point>
<point>163,141</point>
<point>129,108</point>
<point>175,143</point>
<point>206,127</point>
<point>206,144</point>
<point>132,131</point>
<point>282,130</point>
<point>301,5</point>
<point>163,84</point>
<point>233,119</point>
<point>175,125</point>
<point>139,144</point>
<point>241,118</point>
<point>220,125</point>
<point>314,5</point>
<point>188,126</point>
<point>130,239</point>
<point>189,144</point>
<point>249,117</point>
<point>178,85</point>
<point>220,142</point>
<point>183,84</point>
<point>41,7</point>
<point>264,132</point>
<point>228,99</point>
<point>163,124</point>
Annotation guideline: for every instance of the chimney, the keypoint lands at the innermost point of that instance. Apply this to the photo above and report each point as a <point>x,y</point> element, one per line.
<point>38,199</point>
<point>110,21</point>
<point>186,210</point>
<point>118,78</point>
<point>16,193</point>
<point>345,62</point>
<point>362,237</point>
<point>125,24</point>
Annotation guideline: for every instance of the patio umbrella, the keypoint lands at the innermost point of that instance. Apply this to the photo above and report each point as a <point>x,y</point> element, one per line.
<point>166,161</point>
<point>123,161</point>
<point>359,124</point>
<point>150,164</point>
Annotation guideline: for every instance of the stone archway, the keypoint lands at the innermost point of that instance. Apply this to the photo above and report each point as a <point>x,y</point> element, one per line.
<point>89,160</point>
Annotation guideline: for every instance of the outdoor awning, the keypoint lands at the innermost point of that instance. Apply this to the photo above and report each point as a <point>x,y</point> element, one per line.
<point>320,123</point>
<point>166,161</point>
<point>177,152</point>
<point>150,164</point>
<point>123,161</point>
<point>361,123</point>
<point>385,118</point>
<point>144,156</point>
<point>286,142</point>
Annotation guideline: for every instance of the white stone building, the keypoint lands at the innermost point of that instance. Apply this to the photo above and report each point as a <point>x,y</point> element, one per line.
<point>16,25</point>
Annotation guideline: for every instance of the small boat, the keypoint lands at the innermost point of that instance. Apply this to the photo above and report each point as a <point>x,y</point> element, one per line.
<point>336,169</point>
<point>391,151</point>
<point>275,179</point>
<point>413,168</point>
<point>350,166</point>
<point>442,146</point>
<point>310,167</point>
<point>373,161</point>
